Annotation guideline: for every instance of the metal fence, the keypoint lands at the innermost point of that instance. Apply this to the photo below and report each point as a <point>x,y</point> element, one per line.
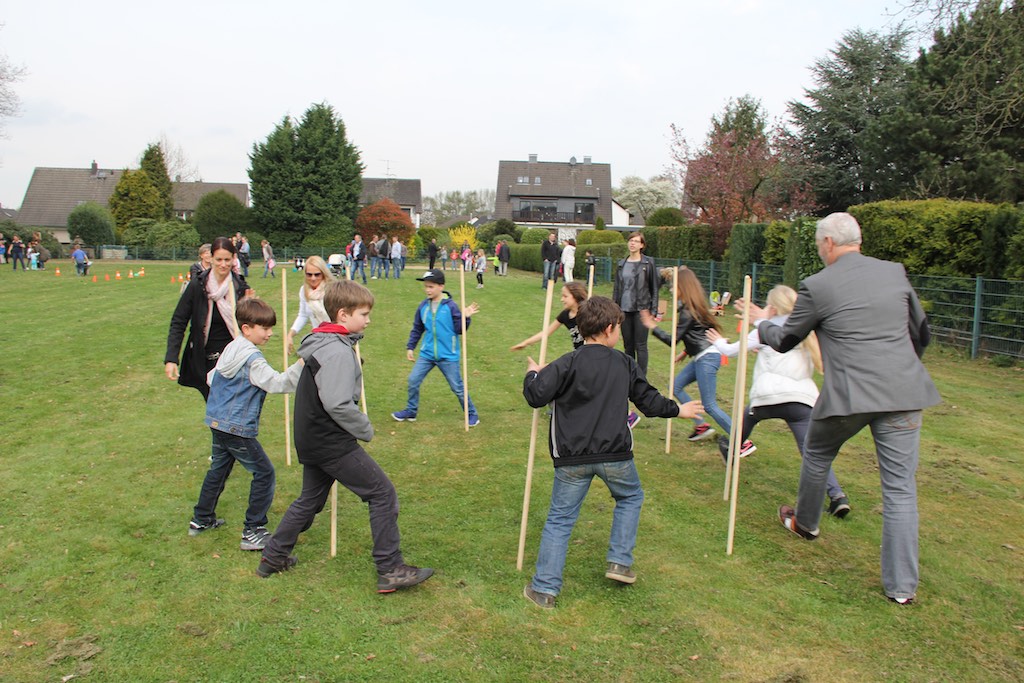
<point>978,315</point>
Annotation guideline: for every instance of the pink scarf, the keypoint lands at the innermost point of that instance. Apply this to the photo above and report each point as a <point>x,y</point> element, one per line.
<point>224,296</point>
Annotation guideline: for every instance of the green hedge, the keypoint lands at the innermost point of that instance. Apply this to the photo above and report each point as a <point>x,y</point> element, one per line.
<point>746,242</point>
<point>534,236</point>
<point>590,237</point>
<point>687,242</point>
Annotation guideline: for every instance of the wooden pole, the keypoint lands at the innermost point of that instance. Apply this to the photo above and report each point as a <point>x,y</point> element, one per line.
<point>284,340</point>
<point>739,388</point>
<point>334,487</point>
<point>590,281</point>
<point>465,350</point>
<point>533,434</point>
<point>672,361</point>
<point>735,446</point>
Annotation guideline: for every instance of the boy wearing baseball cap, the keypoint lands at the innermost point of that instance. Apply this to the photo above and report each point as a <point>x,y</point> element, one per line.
<point>436,327</point>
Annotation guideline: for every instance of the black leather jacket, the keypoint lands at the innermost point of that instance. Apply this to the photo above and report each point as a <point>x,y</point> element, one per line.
<point>647,281</point>
<point>689,330</point>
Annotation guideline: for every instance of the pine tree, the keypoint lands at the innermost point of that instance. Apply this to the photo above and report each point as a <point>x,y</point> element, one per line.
<point>155,166</point>
<point>135,197</point>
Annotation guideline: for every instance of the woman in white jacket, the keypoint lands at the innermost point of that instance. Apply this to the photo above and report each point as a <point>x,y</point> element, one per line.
<point>783,386</point>
<point>568,259</point>
<point>316,274</point>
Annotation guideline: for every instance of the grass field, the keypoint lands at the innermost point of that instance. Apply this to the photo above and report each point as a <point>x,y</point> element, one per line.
<point>102,459</point>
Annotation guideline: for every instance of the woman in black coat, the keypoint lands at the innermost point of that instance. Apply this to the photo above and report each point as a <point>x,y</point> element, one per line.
<point>635,290</point>
<point>207,308</point>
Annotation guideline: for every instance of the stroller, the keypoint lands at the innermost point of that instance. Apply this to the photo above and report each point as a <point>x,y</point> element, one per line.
<point>336,262</point>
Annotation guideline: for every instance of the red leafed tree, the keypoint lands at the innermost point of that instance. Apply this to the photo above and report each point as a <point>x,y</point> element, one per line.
<point>741,173</point>
<point>384,218</point>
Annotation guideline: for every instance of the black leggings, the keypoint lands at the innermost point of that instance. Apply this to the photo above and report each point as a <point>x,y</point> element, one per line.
<point>634,338</point>
<point>796,415</point>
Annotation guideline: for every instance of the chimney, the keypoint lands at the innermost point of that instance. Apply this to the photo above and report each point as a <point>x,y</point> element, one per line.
<point>533,158</point>
<point>95,167</point>
<point>586,160</point>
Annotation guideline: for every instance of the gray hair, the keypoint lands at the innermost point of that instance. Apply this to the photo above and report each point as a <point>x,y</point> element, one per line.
<point>841,227</point>
<point>206,248</point>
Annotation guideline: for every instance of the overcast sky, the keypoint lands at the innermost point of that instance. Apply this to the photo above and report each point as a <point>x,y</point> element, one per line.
<point>439,91</point>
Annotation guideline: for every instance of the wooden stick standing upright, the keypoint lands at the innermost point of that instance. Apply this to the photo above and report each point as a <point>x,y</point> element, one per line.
<point>533,434</point>
<point>590,281</point>
<point>672,361</point>
<point>737,424</point>
<point>334,487</point>
<point>465,350</point>
<point>284,340</point>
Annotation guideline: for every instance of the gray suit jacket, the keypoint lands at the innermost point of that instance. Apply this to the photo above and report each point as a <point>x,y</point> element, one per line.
<point>872,331</point>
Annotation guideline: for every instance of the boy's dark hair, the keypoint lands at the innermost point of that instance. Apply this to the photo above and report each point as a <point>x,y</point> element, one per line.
<point>253,311</point>
<point>596,314</point>
<point>345,295</point>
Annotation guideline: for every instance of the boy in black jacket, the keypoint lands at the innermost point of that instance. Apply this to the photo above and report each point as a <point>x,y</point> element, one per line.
<point>327,423</point>
<point>588,390</point>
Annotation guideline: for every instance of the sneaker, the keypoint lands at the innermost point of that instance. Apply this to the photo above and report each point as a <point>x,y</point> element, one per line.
<point>474,420</point>
<point>266,568</point>
<point>746,448</point>
<point>620,573</point>
<point>195,528</point>
<point>632,419</point>
<point>701,432</point>
<point>255,539</point>
<point>543,600</point>
<point>404,416</point>
<point>402,576</point>
<point>903,602</point>
<point>787,516</point>
<point>839,507</point>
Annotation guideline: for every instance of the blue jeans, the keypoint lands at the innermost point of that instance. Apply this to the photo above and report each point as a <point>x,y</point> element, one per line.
<point>358,266</point>
<point>227,448</point>
<point>897,439</point>
<point>396,263</point>
<point>450,370</point>
<point>550,272</point>
<point>705,371</point>
<point>375,266</point>
<point>567,493</point>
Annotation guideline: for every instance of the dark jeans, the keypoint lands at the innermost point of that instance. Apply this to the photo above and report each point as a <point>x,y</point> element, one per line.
<point>361,475</point>
<point>227,448</point>
<point>634,338</point>
<point>798,419</point>
<point>15,259</point>
<point>358,266</point>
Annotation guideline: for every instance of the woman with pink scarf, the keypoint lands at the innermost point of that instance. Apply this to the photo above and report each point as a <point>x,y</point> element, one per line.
<point>311,297</point>
<point>207,308</point>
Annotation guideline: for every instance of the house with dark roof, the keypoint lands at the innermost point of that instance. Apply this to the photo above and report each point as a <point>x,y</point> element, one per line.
<point>405,192</point>
<point>556,193</point>
<point>53,193</point>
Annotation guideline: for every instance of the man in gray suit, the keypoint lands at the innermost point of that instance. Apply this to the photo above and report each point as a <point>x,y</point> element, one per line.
<point>872,332</point>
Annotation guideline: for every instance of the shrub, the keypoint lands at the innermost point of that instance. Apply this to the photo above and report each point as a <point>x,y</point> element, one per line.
<point>667,216</point>
<point>535,236</point>
<point>172,234</point>
<point>504,226</point>
<point>801,252</point>
<point>137,230</point>
<point>428,233</point>
<point>93,223</point>
<point>746,242</point>
<point>462,233</point>
<point>600,237</point>
<point>599,223</point>
<point>331,238</point>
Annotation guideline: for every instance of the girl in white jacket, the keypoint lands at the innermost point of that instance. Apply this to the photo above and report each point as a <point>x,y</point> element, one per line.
<point>783,386</point>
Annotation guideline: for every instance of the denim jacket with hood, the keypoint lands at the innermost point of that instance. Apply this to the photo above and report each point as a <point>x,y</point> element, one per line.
<point>240,383</point>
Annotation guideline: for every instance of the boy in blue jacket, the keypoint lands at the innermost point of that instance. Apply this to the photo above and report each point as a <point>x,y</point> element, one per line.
<point>438,324</point>
<point>239,384</point>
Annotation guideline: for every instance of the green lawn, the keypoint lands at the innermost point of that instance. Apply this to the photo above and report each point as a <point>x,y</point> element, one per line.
<point>102,459</point>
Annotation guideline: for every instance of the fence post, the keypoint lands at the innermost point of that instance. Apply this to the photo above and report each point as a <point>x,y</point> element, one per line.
<point>753,282</point>
<point>976,326</point>
<point>711,276</point>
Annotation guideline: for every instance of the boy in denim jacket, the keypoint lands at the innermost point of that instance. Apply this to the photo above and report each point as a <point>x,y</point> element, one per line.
<point>238,386</point>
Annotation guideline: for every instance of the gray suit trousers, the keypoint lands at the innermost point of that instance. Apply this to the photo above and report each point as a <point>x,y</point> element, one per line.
<point>897,436</point>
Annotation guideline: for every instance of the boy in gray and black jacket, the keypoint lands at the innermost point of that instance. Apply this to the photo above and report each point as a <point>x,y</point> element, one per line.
<point>328,423</point>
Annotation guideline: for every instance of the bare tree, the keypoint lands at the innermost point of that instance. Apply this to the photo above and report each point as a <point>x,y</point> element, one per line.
<point>179,168</point>
<point>10,104</point>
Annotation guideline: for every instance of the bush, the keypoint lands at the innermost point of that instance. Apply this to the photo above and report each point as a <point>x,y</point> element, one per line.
<point>331,238</point>
<point>504,226</point>
<point>689,242</point>
<point>802,257</point>
<point>219,213</point>
<point>746,242</point>
<point>667,216</point>
<point>536,236</point>
<point>428,233</point>
<point>93,223</point>
<point>136,232</point>
<point>172,234</point>
<point>525,257</point>
<point>599,223</point>
<point>600,237</point>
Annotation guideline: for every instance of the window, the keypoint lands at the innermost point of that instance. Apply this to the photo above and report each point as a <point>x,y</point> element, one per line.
<point>536,181</point>
<point>590,181</point>
<point>523,180</point>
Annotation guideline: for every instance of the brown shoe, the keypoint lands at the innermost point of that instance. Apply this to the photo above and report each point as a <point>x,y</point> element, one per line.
<point>620,573</point>
<point>787,516</point>
<point>543,600</point>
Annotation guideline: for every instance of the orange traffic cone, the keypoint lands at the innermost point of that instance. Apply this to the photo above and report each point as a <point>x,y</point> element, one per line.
<point>130,275</point>
<point>58,272</point>
<point>142,271</point>
<point>173,281</point>
<point>106,276</point>
<point>117,275</point>
<point>94,278</point>
<point>181,278</point>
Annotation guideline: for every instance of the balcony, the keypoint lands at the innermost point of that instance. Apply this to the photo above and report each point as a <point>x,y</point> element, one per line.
<point>543,216</point>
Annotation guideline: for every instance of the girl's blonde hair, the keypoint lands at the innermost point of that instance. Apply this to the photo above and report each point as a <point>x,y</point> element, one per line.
<point>321,265</point>
<point>783,299</point>
<point>692,296</point>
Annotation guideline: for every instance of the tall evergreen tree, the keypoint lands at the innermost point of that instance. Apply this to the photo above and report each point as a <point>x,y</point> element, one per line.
<point>306,179</point>
<point>155,166</point>
<point>135,196</point>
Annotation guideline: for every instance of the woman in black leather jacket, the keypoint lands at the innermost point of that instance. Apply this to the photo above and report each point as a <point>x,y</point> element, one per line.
<point>636,290</point>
